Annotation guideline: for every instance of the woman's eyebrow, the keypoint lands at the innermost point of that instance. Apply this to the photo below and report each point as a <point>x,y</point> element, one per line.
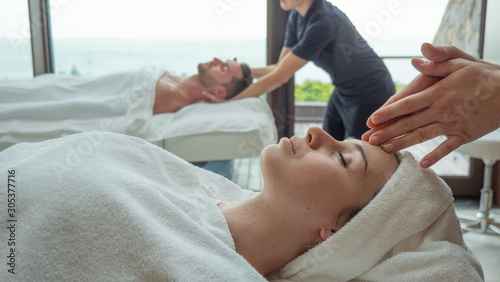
<point>363,154</point>
<point>361,151</point>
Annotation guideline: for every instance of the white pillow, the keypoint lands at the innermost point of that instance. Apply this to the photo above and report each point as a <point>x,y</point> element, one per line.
<point>206,132</point>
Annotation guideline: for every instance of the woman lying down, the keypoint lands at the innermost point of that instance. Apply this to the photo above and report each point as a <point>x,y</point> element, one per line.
<point>102,206</point>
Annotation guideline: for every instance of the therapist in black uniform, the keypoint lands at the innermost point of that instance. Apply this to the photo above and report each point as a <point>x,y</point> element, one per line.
<point>318,31</point>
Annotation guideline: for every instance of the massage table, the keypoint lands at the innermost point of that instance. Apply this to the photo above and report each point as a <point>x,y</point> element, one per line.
<point>197,133</point>
<point>52,106</point>
<point>209,132</point>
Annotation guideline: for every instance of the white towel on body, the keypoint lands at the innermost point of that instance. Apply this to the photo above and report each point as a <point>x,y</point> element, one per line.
<point>408,232</point>
<point>50,106</point>
<point>108,207</point>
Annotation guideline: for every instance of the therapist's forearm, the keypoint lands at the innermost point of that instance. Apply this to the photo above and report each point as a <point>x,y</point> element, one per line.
<point>283,71</point>
<point>260,72</point>
<point>264,85</point>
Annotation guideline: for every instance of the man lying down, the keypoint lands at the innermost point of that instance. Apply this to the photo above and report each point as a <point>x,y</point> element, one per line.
<point>50,106</point>
<point>147,90</point>
<point>102,206</point>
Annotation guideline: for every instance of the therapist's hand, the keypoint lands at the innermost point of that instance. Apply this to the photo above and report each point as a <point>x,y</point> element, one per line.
<point>211,98</point>
<point>458,98</point>
<point>421,82</point>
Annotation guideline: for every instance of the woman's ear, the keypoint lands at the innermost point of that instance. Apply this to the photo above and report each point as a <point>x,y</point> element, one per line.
<point>218,91</point>
<point>325,233</point>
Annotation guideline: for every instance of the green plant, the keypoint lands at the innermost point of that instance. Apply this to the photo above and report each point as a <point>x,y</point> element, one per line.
<point>317,91</point>
<point>74,70</point>
<point>313,91</point>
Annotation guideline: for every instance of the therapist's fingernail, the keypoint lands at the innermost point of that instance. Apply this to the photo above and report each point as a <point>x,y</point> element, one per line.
<point>375,140</point>
<point>424,164</point>
<point>418,61</point>
<point>376,119</point>
<point>388,148</point>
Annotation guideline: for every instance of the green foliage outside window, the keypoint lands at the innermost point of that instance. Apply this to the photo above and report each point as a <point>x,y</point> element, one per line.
<point>313,91</point>
<point>317,91</point>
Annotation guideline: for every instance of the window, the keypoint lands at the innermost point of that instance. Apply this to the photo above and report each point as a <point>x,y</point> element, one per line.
<point>492,40</point>
<point>392,28</point>
<point>15,45</point>
<point>395,30</point>
<point>97,37</point>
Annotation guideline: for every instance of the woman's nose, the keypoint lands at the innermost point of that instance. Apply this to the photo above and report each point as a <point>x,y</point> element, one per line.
<point>317,137</point>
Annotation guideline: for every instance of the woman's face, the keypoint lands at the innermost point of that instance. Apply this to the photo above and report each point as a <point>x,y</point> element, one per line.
<point>319,177</point>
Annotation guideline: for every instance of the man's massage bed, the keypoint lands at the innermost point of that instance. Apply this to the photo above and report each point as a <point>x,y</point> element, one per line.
<point>206,132</point>
<point>51,106</point>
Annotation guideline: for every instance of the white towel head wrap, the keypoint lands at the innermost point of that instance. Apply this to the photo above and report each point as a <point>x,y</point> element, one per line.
<point>397,220</point>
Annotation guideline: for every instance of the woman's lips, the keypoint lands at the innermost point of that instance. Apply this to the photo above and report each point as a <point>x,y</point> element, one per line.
<point>293,142</point>
<point>289,143</point>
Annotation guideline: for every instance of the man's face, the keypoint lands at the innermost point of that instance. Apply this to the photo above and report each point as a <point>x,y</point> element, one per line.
<point>217,72</point>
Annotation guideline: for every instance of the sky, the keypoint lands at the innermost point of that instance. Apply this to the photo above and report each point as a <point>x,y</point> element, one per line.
<point>211,19</point>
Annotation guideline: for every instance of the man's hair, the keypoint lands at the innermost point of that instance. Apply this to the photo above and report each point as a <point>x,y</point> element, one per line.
<point>234,87</point>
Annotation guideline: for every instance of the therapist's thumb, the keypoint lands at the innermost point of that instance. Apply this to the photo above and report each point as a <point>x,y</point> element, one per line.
<point>443,53</point>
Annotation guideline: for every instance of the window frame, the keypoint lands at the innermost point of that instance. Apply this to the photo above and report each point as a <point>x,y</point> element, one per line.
<point>41,39</point>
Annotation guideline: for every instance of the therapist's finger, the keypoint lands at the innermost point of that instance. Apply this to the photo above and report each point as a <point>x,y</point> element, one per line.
<point>448,146</point>
<point>418,128</point>
<point>418,84</point>
<point>212,98</point>
<point>403,107</point>
<point>411,138</point>
<point>443,53</point>
<point>366,135</point>
<point>441,69</point>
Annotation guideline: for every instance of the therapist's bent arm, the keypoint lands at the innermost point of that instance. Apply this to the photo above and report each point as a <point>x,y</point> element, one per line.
<point>260,72</point>
<point>281,74</point>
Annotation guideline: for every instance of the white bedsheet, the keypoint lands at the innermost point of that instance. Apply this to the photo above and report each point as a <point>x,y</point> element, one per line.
<point>50,106</point>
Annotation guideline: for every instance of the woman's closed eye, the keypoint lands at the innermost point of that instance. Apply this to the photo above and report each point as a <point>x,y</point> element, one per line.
<point>342,159</point>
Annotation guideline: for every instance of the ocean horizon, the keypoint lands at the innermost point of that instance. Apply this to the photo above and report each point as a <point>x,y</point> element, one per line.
<point>180,57</point>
